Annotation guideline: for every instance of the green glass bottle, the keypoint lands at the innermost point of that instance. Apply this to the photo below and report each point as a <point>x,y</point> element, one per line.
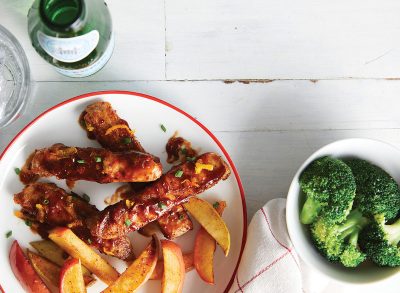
<point>75,36</point>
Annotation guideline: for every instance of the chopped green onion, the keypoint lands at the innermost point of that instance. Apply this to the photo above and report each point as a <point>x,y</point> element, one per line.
<point>80,161</point>
<point>126,140</point>
<point>28,223</point>
<point>46,201</point>
<point>191,159</point>
<point>86,197</point>
<point>128,223</point>
<point>162,205</point>
<point>179,173</point>
<point>183,150</point>
<point>163,128</point>
<point>181,216</point>
<point>74,194</point>
<point>98,159</point>
<point>216,205</point>
<point>17,171</point>
<point>89,241</point>
<point>82,123</point>
<point>8,234</point>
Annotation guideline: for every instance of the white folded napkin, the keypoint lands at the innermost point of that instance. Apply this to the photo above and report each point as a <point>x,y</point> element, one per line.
<point>269,262</point>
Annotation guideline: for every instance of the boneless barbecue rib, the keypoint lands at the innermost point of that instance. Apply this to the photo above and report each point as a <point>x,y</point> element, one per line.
<point>173,188</point>
<point>102,123</point>
<point>173,223</point>
<point>48,206</point>
<point>93,164</point>
<point>177,222</point>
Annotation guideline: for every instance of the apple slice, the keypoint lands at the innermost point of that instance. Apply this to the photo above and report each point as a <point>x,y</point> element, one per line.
<point>24,271</point>
<point>159,270</point>
<point>174,268</point>
<point>75,247</point>
<point>49,250</point>
<point>210,220</point>
<point>138,272</point>
<point>71,278</point>
<point>48,271</point>
<point>204,248</point>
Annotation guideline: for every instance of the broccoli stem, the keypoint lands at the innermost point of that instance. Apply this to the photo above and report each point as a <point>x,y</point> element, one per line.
<point>353,239</point>
<point>310,211</point>
<point>351,228</point>
<point>393,232</point>
<point>354,220</point>
<point>349,231</point>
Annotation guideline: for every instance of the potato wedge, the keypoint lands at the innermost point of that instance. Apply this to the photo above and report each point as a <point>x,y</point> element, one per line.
<point>138,272</point>
<point>88,277</point>
<point>159,270</point>
<point>174,268</point>
<point>75,247</point>
<point>49,250</point>
<point>24,272</point>
<point>48,271</point>
<point>204,248</point>
<point>71,278</point>
<point>210,220</point>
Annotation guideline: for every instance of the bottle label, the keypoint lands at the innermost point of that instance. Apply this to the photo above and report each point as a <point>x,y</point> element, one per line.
<point>69,50</point>
<point>92,68</point>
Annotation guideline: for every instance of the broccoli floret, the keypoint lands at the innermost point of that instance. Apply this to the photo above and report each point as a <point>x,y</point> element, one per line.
<point>339,242</point>
<point>380,242</point>
<point>320,234</point>
<point>329,186</point>
<point>352,256</point>
<point>377,192</point>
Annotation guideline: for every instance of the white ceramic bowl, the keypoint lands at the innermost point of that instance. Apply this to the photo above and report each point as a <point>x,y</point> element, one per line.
<point>376,152</point>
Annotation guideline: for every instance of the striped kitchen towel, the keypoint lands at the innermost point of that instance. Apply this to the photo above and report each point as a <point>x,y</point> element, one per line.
<point>269,262</point>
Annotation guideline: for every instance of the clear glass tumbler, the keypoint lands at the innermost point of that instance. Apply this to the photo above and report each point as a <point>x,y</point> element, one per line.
<point>14,78</point>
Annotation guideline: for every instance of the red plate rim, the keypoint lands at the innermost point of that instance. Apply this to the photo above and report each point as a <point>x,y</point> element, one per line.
<point>236,173</point>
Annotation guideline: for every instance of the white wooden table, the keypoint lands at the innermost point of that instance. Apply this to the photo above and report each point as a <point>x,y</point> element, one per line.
<point>274,80</point>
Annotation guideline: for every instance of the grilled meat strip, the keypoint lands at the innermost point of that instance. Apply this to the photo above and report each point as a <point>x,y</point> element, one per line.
<point>177,222</point>
<point>172,224</point>
<point>172,189</point>
<point>102,123</point>
<point>94,164</point>
<point>49,206</point>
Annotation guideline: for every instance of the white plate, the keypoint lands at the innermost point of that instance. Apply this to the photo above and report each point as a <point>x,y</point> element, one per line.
<point>144,114</point>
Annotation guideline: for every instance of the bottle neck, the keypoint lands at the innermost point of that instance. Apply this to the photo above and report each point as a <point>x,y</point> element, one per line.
<point>63,15</point>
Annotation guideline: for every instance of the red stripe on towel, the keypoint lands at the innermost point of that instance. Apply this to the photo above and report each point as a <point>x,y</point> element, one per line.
<point>262,271</point>
<point>280,243</point>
